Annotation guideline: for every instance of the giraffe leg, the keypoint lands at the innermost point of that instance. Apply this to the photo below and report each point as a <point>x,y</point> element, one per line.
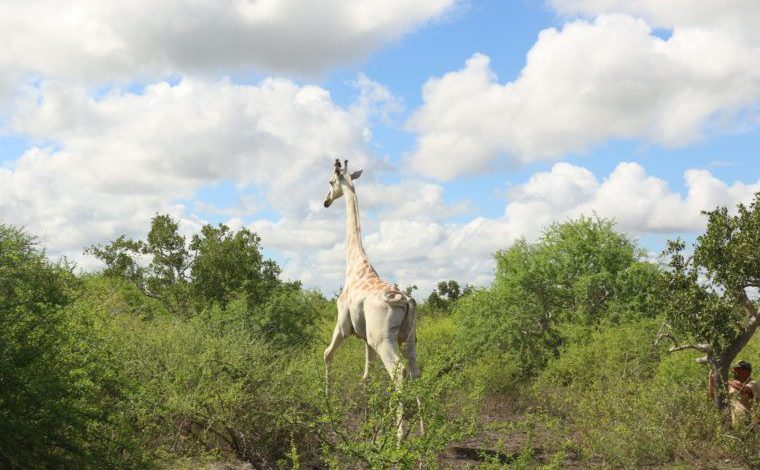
<point>410,353</point>
<point>389,354</point>
<point>369,358</point>
<point>409,335</point>
<point>337,340</point>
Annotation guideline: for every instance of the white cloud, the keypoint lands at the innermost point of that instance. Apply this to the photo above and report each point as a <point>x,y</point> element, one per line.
<point>402,223</point>
<point>375,100</point>
<point>97,42</point>
<point>589,82</point>
<point>295,236</point>
<point>424,251</point>
<point>104,166</point>
<point>410,200</point>
<point>640,203</point>
<point>736,16</point>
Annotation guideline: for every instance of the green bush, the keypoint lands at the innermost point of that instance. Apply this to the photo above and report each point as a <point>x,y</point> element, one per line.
<point>629,404</point>
<point>362,430</point>
<point>579,274</point>
<point>211,391</point>
<point>216,266</point>
<point>59,391</point>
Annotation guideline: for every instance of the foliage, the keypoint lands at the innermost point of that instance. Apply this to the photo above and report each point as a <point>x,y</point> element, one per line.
<point>708,304</point>
<point>227,262</point>
<point>202,388</point>
<point>579,274</point>
<point>214,267</point>
<point>285,320</point>
<point>213,389</point>
<point>372,442</point>
<point>57,386</point>
<point>190,352</point>
<point>575,272</point>
<point>445,295</point>
<point>625,403</point>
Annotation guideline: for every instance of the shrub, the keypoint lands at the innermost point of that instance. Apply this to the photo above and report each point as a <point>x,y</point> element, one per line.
<point>629,404</point>
<point>579,274</point>
<point>58,389</point>
<point>211,391</point>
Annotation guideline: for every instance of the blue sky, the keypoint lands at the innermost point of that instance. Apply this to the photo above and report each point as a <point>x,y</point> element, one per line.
<point>477,123</point>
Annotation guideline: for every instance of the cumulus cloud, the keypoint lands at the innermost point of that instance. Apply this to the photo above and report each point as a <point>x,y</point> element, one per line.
<point>591,81</point>
<point>411,200</point>
<point>639,202</point>
<point>101,41</point>
<point>737,16</point>
<point>402,223</point>
<point>104,166</point>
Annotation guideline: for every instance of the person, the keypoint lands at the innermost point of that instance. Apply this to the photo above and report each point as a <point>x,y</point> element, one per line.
<point>743,392</point>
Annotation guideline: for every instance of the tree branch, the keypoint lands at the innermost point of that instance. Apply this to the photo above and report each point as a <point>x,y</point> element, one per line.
<point>749,307</point>
<point>746,330</point>
<point>705,348</point>
<point>664,334</point>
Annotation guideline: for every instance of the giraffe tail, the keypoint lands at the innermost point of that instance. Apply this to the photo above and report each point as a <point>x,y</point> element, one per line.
<point>409,326</point>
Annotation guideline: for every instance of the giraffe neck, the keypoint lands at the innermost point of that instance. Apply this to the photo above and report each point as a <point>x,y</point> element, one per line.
<point>356,257</point>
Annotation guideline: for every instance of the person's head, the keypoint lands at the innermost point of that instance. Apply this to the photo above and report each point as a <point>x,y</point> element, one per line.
<point>742,370</point>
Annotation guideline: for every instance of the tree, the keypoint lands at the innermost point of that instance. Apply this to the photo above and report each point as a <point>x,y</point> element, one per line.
<point>226,262</point>
<point>579,271</point>
<point>217,265</point>
<point>446,293</point>
<point>169,259</point>
<point>577,275</point>
<point>708,302</point>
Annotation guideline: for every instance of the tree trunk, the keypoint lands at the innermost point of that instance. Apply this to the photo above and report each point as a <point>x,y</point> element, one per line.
<point>719,387</point>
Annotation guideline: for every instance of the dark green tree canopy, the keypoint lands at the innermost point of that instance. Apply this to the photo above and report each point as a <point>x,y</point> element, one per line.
<point>225,262</point>
<point>446,294</point>
<point>581,270</point>
<point>215,266</point>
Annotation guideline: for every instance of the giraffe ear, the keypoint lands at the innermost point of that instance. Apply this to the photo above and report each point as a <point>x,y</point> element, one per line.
<point>355,175</point>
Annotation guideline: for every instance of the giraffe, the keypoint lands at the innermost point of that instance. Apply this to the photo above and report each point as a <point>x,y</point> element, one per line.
<point>375,311</point>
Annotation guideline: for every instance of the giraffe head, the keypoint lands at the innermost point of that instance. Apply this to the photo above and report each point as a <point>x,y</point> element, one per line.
<point>340,178</point>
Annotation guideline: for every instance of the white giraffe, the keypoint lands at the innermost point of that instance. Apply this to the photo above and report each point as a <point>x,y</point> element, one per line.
<point>374,310</point>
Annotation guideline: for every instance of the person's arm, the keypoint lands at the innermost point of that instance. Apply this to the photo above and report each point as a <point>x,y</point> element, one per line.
<point>747,392</point>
